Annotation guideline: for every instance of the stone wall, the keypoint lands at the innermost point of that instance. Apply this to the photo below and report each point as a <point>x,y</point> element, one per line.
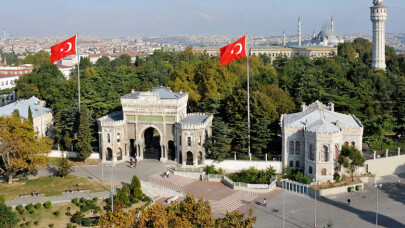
<point>235,166</point>
<point>386,166</point>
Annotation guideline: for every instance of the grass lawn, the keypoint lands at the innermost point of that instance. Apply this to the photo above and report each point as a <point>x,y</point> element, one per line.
<point>53,161</point>
<point>51,186</point>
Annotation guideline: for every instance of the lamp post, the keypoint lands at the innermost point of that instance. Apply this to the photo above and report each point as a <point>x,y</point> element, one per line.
<point>376,213</point>
<point>315,181</point>
<point>101,152</point>
<point>283,199</point>
<point>112,186</point>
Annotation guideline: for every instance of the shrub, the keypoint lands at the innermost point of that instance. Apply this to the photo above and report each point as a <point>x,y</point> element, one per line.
<point>77,218</point>
<point>86,222</point>
<point>82,200</point>
<point>31,211</point>
<point>210,169</point>
<point>358,187</point>
<point>68,213</point>
<point>28,223</point>
<point>336,177</point>
<point>19,208</point>
<point>138,193</point>
<point>95,199</point>
<point>69,225</point>
<point>51,225</point>
<point>95,221</point>
<point>56,213</point>
<point>37,206</point>
<point>350,189</point>
<point>221,171</point>
<point>147,199</point>
<point>47,205</point>
<point>135,183</point>
<point>36,222</point>
<point>253,176</point>
<point>75,200</point>
<point>29,207</point>
<point>123,195</point>
<point>2,198</point>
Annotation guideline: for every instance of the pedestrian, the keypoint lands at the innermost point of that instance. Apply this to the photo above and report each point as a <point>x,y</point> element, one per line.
<point>167,174</point>
<point>136,160</point>
<point>130,163</point>
<point>348,201</point>
<point>265,202</point>
<point>398,182</point>
<point>23,218</point>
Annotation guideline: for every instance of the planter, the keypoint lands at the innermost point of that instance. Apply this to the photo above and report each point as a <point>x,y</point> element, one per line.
<point>350,189</point>
<point>359,187</point>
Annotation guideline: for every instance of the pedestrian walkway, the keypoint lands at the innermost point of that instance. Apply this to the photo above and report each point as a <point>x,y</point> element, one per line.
<point>174,181</point>
<point>57,199</point>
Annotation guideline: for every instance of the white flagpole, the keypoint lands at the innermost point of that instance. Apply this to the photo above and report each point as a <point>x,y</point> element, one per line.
<point>78,70</point>
<point>248,96</point>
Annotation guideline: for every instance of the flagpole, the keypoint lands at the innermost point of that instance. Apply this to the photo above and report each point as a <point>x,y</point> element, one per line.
<point>248,96</point>
<point>78,70</point>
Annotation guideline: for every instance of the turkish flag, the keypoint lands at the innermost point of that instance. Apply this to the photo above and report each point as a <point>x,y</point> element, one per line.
<point>63,49</point>
<point>233,51</point>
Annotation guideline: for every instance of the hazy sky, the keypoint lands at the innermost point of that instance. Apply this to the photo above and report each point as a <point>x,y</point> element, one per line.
<point>154,17</point>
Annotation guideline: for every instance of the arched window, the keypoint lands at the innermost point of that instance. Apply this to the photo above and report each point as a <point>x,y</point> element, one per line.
<point>325,153</point>
<point>118,137</point>
<point>353,144</point>
<point>291,148</point>
<point>298,148</point>
<point>336,152</point>
<point>291,164</point>
<point>310,169</point>
<point>323,172</point>
<point>297,164</point>
<point>311,152</point>
<point>108,138</point>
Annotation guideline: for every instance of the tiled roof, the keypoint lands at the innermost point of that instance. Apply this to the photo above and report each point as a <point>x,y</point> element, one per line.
<point>22,107</point>
<point>318,118</point>
<point>164,93</point>
<point>194,119</point>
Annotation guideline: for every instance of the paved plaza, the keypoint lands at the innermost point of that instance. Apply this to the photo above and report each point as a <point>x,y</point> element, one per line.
<point>299,210</point>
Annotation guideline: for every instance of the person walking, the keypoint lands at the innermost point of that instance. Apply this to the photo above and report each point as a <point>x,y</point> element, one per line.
<point>398,182</point>
<point>348,201</point>
<point>130,163</point>
<point>135,161</point>
<point>265,202</point>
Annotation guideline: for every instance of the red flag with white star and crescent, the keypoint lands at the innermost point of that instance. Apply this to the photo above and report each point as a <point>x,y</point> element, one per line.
<point>233,51</point>
<point>63,49</point>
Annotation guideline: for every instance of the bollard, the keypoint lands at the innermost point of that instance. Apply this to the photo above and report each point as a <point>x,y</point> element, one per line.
<point>266,156</point>
<point>234,155</point>
<point>386,153</point>
<point>375,155</point>
<point>399,151</point>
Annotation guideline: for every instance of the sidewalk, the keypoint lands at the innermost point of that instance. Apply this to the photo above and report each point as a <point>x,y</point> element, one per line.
<point>57,199</point>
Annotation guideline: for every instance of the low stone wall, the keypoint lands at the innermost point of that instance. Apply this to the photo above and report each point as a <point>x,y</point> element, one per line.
<point>68,154</point>
<point>386,166</point>
<point>237,165</point>
<point>193,175</point>
<point>332,191</point>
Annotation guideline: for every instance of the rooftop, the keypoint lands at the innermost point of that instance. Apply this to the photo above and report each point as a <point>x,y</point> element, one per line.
<point>22,107</point>
<point>114,116</point>
<point>194,119</point>
<point>163,92</point>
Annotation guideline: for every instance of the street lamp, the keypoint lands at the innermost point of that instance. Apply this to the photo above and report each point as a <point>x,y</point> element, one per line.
<point>376,213</point>
<point>112,186</point>
<point>101,152</point>
<point>283,199</point>
<point>315,181</point>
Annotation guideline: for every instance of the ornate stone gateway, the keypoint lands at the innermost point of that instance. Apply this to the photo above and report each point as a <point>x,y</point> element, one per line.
<point>154,125</point>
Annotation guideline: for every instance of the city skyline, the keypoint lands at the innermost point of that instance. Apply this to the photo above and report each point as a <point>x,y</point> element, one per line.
<point>50,18</point>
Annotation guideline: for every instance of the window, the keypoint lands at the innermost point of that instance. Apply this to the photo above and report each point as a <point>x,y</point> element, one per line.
<point>298,148</point>
<point>336,152</point>
<point>353,144</point>
<point>108,138</point>
<point>297,164</point>
<point>310,169</point>
<point>291,164</point>
<point>311,153</point>
<point>199,140</point>
<point>323,172</point>
<point>188,141</point>
<point>118,137</point>
<point>325,153</point>
<point>291,149</point>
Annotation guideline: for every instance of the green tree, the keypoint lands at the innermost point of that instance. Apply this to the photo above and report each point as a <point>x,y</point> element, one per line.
<point>219,144</point>
<point>8,218</point>
<point>374,130</point>
<point>104,61</point>
<point>351,158</point>
<point>64,166</point>
<point>135,183</point>
<point>38,58</point>
<point>30,116</point>
<point>21,151</point>
<point>83,145</point>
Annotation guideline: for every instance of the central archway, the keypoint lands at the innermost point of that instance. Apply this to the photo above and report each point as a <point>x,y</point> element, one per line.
<point>152,148</point>
<point>189,160</point>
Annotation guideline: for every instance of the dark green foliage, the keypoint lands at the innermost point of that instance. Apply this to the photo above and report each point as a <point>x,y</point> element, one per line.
<point>47,204</point>
<point>16,113</point>
<point>75,200</point>
<point>122,194</point>
<point>336,177</point>
<point>8,218</point>
<point>64,166</point>
<point>137,193</point>
<point>210,169</point>
<point>30,116</point>
<point>83,145</point>
<point>37,206</point>
<point>36,223</point>
<point>56,213</point>
<point>86,222</point>
<point>351,158</point>
<point>82,200</point>
<point>295,175</point>
<point>51,225</point>
<point>135,183</point>
<point>253,176</point>
<point>19,208</point>
<point>219,143</point>
<point>29,207</point>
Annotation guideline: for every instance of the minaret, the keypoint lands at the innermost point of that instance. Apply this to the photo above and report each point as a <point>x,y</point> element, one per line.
<point>378,15</point>
<point>313,34</point>
<point>284,40</point>
<point>332,27</point>
<point>299,31</point>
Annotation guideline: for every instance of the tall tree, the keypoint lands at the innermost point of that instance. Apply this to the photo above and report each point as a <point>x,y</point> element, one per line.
<point>219,144</point>
<point>351,158</point>
<point>83,145</point>
<point>21,151</point>
<point>30,116</point>
<point>64,166</point>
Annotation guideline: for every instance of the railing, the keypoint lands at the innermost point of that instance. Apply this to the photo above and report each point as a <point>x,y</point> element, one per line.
<point>294,186</point>
<point>190,170</point>
<point>255,157</point>
<point>385,153</point>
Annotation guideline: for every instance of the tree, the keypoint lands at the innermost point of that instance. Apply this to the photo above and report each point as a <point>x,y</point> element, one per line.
<point>119,219</point>
<point>135,183</point>
<point>64,166</point>
<point>30,116</point>
<point>374,130</point>
<point>8,218</point>
<point>351,158</point>
<point>219,144</point>
<point>21,151</point>
<point>83,145</point>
